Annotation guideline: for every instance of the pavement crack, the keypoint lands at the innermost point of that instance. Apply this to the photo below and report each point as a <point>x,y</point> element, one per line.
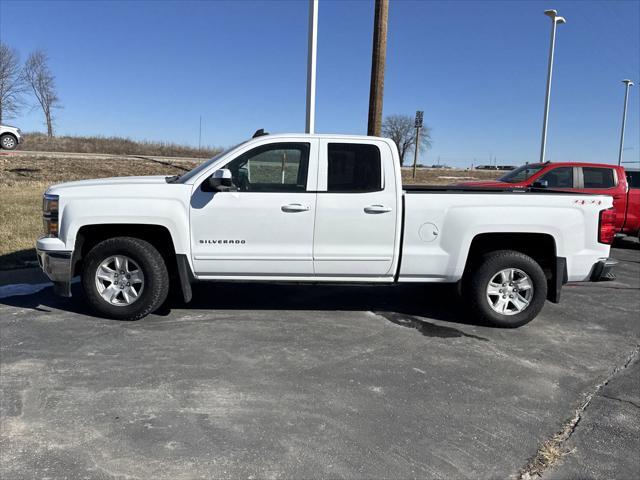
<point>553,449</point>
<point>620,400</point>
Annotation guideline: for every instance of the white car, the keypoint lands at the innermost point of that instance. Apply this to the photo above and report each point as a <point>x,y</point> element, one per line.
<point>10,137</point>
<point>318,208</point>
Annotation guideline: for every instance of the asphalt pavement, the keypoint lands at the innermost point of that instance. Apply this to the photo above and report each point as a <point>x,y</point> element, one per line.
<point>285,381</point>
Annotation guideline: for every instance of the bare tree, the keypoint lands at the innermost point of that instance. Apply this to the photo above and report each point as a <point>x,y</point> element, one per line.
<point>402,130</point>
<point>42,82</point>
<point>12,84</point>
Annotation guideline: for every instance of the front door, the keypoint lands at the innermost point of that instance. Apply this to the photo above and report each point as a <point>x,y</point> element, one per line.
<point>357,210</point>
<point>262,226</point>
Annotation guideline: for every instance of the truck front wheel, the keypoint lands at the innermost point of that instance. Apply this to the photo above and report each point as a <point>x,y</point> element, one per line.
<point>124,278</point>
<point>506,289</point>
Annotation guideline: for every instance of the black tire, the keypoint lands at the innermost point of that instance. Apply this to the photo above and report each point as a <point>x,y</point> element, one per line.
<point>8,141</point>
<point>477,281</point>
<point>149,260</point>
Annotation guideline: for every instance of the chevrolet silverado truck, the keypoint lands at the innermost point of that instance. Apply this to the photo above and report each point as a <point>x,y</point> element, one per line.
<point>318,208</point>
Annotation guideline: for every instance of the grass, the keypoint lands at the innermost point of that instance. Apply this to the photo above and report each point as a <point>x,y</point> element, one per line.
<point>21,215</point>
<point>39,142</point>
<point>446,176</point>
<point>25,177</point>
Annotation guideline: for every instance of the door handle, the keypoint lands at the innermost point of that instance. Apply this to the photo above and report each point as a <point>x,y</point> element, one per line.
<point>377,209</point>
<point>295,207</point>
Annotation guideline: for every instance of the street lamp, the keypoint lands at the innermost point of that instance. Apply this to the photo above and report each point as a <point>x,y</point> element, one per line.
<point>312,54</point>
<point>555,20</point>
<point>628,83</point>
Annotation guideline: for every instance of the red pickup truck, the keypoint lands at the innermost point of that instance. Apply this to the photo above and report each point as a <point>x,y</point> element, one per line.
<point>597,178</point>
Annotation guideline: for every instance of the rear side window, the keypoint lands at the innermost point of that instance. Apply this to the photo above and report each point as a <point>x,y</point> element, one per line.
<point>353,167</point>
<point>633,177</point>
<point>561,177</point>
<point>598,177</point>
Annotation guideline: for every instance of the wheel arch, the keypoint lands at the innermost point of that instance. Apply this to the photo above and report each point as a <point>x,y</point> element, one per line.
<point>159,236</point>
<point>541,247</point>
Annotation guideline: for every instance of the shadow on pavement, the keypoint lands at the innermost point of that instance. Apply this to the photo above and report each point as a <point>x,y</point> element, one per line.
<point>627,243</point>
<point>19,259</point>
<point>405,305</point>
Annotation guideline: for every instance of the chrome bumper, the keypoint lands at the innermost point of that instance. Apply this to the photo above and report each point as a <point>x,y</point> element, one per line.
<point>603,270</point>
<point>57,266</point>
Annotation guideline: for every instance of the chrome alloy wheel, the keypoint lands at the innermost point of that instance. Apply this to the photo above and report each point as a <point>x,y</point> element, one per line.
<point>119,280</point>
<point>509,291</point>
<point>8,142</point>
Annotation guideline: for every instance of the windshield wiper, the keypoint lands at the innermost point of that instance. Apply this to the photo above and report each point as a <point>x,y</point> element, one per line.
<point>172,179</point>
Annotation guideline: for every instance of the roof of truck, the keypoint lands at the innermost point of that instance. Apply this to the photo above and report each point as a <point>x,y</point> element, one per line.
<point>325,135</point>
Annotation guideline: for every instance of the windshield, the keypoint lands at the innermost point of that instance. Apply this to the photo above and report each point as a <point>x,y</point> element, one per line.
<point>203,166</point>
<point>522,173</point>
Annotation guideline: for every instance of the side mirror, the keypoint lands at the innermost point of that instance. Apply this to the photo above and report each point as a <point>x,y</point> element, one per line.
<point>219,181</point>
<point>540,184</point>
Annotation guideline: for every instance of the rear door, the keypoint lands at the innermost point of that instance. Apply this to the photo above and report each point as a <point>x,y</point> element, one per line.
<point>632,219</point>
<point>605,181</point>
<point>357,210</point>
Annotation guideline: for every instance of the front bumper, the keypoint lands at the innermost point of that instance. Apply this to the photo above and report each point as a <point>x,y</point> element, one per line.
<point>20,139</point>
<point>603,270</point>
<point>57,265</point>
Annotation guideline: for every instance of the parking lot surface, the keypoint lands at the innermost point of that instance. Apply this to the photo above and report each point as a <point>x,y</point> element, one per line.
<point>281,381</point>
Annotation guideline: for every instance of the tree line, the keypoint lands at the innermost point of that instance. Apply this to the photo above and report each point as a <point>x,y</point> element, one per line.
<point>18,82</point>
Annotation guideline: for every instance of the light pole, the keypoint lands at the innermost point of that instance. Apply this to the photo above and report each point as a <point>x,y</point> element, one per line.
<point>555,20</point>
<point>628,83</point>
<point>311,66</point>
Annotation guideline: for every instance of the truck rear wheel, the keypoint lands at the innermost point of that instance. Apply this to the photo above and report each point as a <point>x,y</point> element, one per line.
<point>124,278</point>
<point>506,289</point>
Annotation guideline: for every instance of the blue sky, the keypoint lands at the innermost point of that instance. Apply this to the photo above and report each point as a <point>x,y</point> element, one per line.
<point>149,69</point>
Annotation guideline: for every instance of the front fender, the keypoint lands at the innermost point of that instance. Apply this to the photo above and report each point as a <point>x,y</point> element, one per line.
<point>169,213</point>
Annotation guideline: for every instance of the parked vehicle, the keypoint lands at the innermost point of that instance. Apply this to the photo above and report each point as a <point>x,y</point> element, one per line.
<point>10,137</point>
<point>591,178</point>
<point>318,208</point>
<point>632,215</point>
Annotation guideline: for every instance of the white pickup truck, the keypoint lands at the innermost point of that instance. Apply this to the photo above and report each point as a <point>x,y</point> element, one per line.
<point>318,208</point>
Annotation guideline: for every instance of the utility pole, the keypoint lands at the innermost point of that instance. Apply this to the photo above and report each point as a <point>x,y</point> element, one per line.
<point>555,20</point>
<point>628,83</point>
<point>311,66</point>
<point>378,59</point>
<point>419,115</point>
<point>200,134</point>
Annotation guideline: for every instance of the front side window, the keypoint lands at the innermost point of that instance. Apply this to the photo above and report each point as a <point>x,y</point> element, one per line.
<point>277,167</point>
<point>561,177</point>
<point>353,168</point>
<point>598,177</point>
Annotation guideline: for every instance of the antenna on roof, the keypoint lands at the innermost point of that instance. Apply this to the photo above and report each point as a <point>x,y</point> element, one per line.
<point>260,133</point>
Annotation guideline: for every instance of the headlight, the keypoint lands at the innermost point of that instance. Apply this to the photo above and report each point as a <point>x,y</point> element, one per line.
<point>50,205</point>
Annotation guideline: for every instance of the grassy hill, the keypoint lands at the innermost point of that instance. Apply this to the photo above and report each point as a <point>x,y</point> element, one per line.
<point>39,142</point>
